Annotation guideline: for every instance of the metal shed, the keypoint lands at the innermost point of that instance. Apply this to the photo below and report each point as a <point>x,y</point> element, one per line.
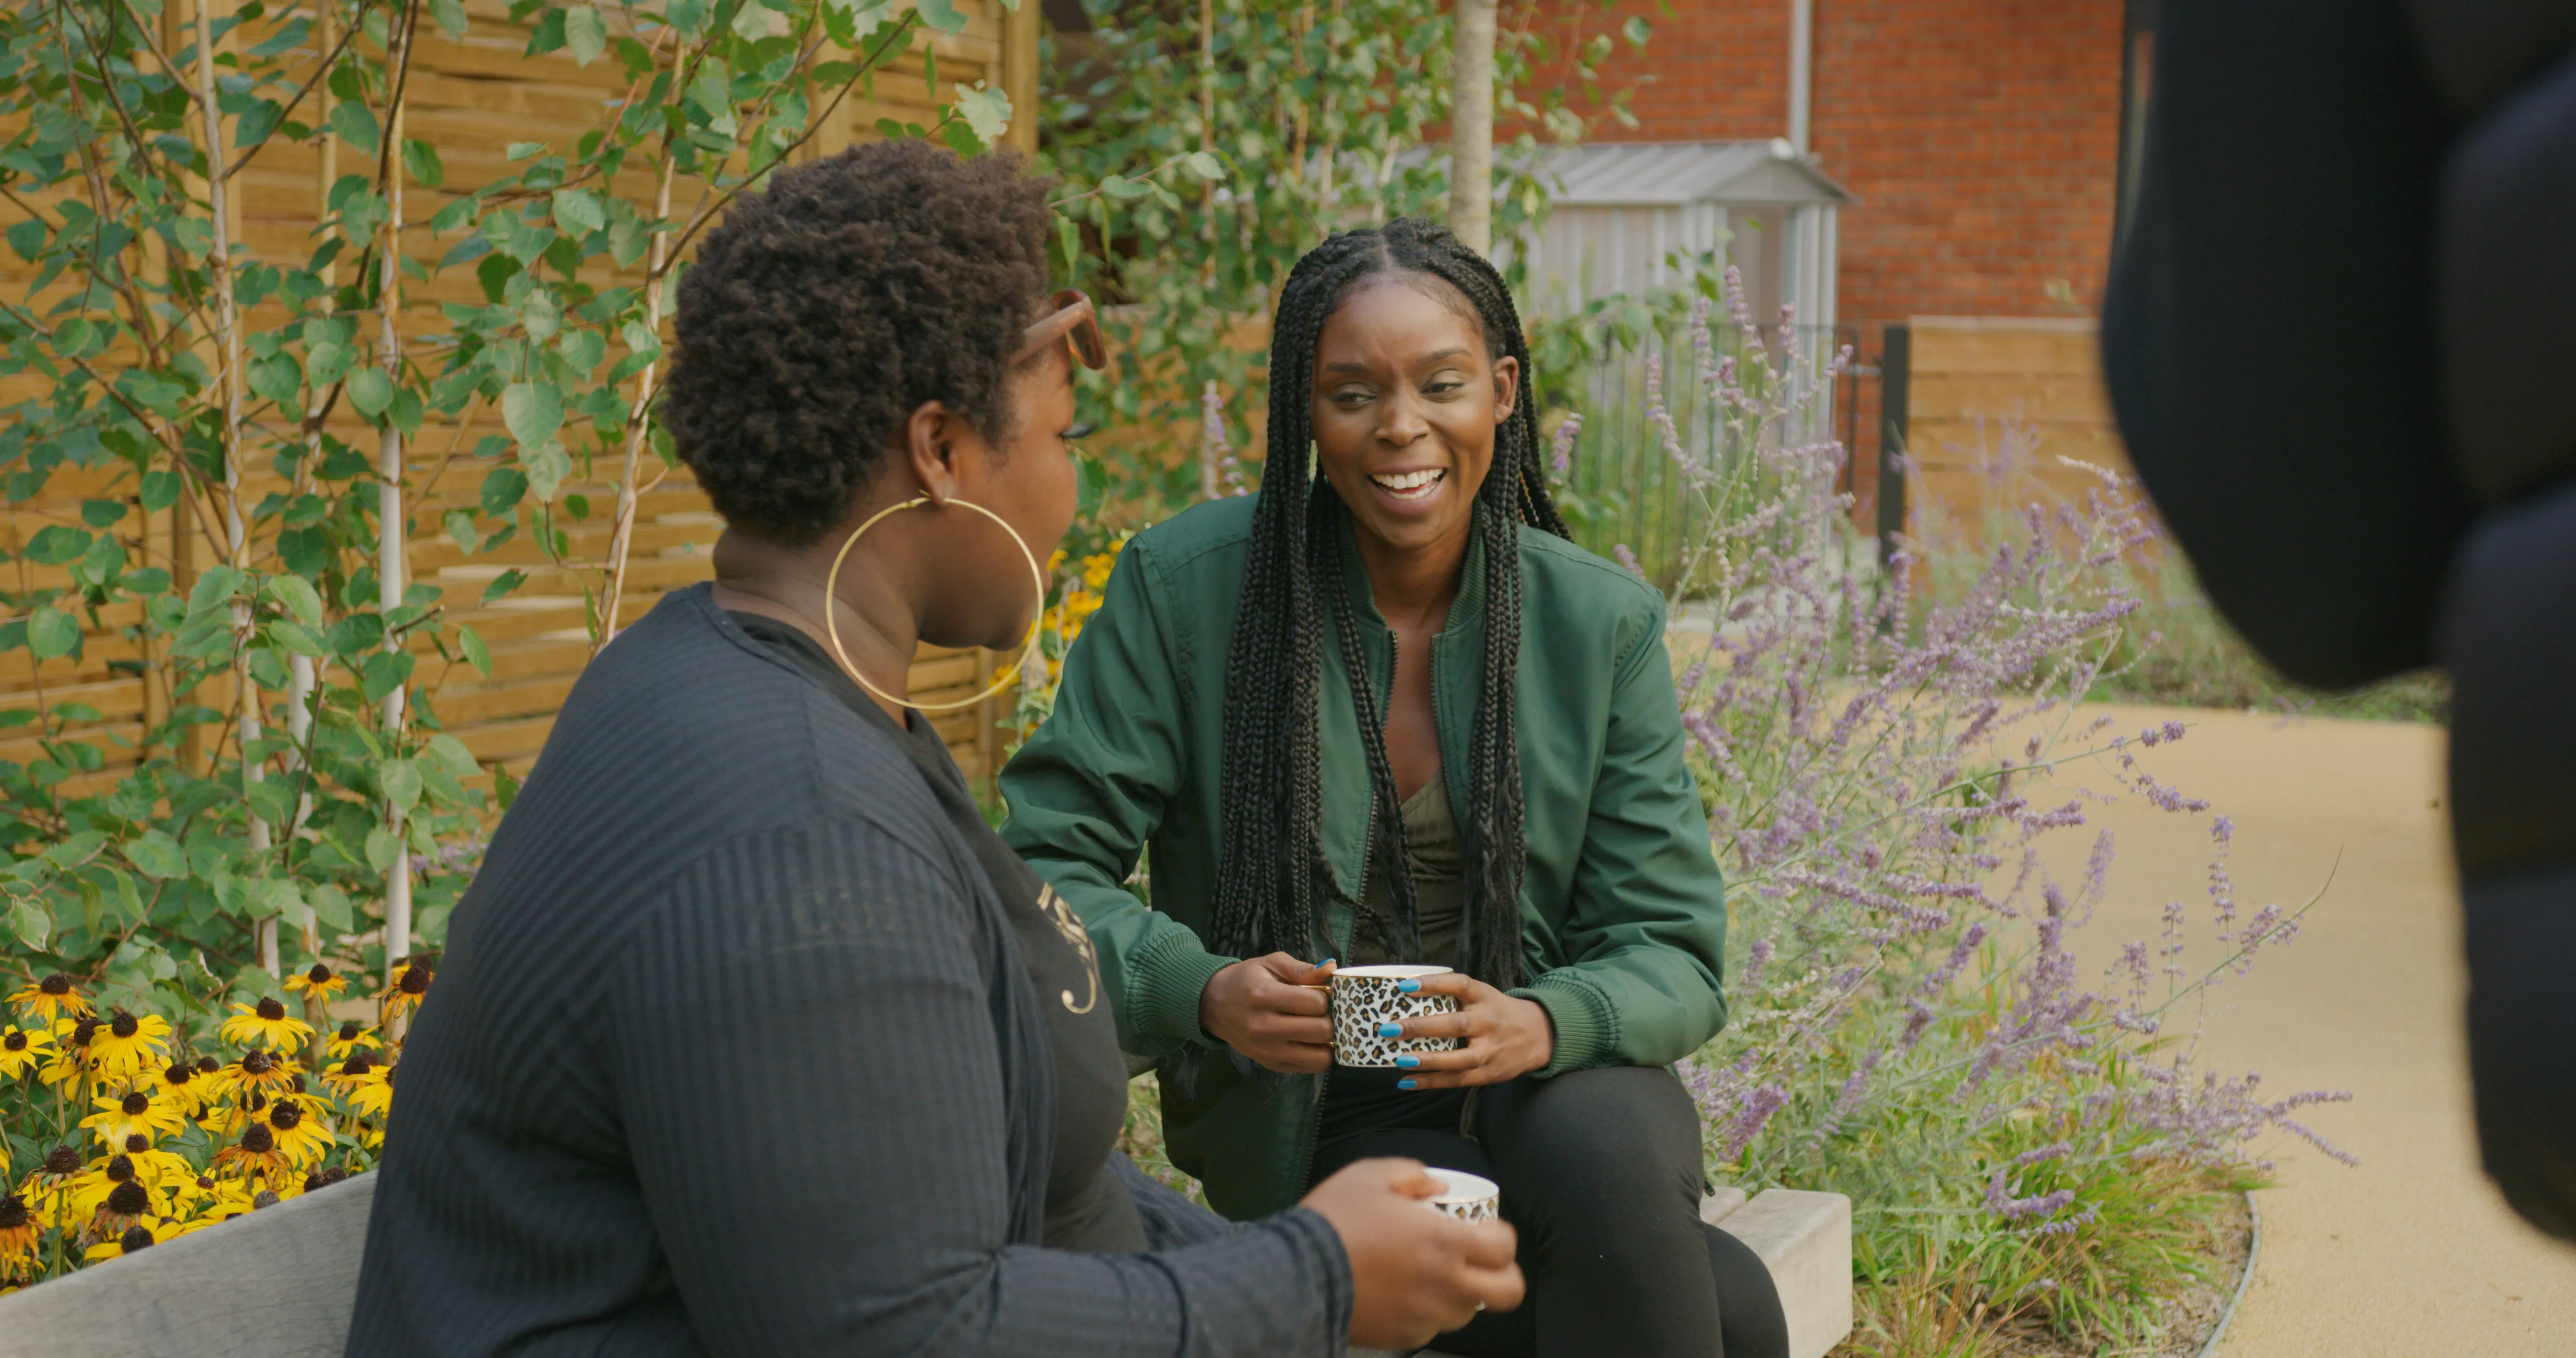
<point>1619,212</point>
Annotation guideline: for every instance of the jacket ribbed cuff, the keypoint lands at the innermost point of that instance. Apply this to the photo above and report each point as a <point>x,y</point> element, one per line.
<point>1172,976</point>
<point>1586,1029</point>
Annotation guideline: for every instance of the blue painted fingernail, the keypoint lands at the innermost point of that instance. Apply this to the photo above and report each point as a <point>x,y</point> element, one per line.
<point>1390,1030</point>
<point>1408,1062</point>
<point>1407,1083</point>
<point>1408,986</point>
<point>1323,964</point>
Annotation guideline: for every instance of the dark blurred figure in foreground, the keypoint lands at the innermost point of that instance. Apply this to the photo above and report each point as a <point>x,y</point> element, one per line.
<point>2341,340</point>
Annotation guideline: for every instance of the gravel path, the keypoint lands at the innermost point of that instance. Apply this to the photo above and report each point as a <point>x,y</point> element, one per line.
<point>2412,1253</point>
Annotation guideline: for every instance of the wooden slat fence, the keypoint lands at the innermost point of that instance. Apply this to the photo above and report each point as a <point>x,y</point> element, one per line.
<point>471,99</point>
<point>1975,377</point>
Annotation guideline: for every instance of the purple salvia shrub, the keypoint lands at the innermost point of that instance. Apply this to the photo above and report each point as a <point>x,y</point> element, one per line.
<point>1875,743</point>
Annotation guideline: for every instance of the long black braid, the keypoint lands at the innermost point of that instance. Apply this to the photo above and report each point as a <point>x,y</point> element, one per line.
<point>1271,860</point>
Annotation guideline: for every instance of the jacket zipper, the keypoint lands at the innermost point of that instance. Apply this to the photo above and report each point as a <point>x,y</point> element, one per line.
<point>1368,861</point>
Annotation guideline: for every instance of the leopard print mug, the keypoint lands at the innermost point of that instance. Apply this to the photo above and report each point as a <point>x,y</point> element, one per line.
<point>1468,1197</point>
<point>1365,997</point>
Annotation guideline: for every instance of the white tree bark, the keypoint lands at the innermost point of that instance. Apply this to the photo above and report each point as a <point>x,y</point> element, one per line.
<point>1471,126</point>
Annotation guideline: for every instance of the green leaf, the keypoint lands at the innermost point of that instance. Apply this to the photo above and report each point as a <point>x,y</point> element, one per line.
<point>28,238</point>
<point>276,378</point>
<point>460,528</point>
<point>579,209</point>
<point>1120,186</point>
<point>102,513</point>
<point>298,638</point>
<point>157,856</point>
<point>30,922</point>
<point>421,162</point>
<point>331,907</point>
<point>296,595</point>
<point>55,544</point>
<point>586,33</point>
<point>354,123</point>
<point>476,653</point>
<point>384,672</point>
<point>532,411</point>
<point>272,896</point>
<point>453,756</point>
<point>961,139</point>
<point>503,488</point>
<point>988,111</point>
<point>502,584</point>
<point>52,632</point>
<point>1637,30</point>
<point>1206,166</point>
<point>381,844</point>
<point>159,490</point>
<point>370,391</point>
<point>450,17</point>
<point>401,783</point>
<point>942,15</point>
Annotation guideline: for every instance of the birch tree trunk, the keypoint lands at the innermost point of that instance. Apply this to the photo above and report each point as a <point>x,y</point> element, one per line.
<point>1471,126</point>
<point>391,558</point>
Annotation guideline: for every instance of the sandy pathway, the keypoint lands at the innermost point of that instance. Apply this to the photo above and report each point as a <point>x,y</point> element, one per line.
<point>2411,1253</point>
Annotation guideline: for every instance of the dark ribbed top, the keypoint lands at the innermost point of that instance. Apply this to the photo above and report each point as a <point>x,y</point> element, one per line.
<point>733,1051</point>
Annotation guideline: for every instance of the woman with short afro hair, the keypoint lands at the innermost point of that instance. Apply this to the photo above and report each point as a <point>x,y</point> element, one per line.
<point>751,1037</point>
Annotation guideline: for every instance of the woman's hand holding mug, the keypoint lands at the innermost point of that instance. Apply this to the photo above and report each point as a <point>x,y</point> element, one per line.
<point>1504,1037</point>
<point>1415,1272</point>
<point>1269,1009</point>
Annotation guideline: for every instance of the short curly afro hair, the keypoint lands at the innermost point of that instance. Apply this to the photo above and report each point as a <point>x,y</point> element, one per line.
<point>825,310</point>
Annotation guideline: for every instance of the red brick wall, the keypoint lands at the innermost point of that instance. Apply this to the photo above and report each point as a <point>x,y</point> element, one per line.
<point>1982,136</point>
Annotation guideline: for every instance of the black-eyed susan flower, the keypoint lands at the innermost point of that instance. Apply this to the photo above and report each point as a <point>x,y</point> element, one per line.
<point>47,1190</point>
<point>257,1152</point>
<point>128,1202</point>
<point>23,1049</point>
<point>54,997</point>
<point>70,1060</point>
<point>126,1045</point>
<point>141,1113</point>
<point>19,1230</point>
<point>162,1169</point>
<point>90,1193</point>
<point>371,1099</point>
<point>318,984</point>
<point>143,1234</point>
<point>347,1075</point>
<point>354,1037</point>
<point>256,1071</point>
<point>265,1024</point>
<point>304,1138</point>
<point>404,995</point>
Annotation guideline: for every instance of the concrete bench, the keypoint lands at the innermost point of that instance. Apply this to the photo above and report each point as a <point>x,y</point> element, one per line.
<point>280,1282</point>
<point>1803,1238</point>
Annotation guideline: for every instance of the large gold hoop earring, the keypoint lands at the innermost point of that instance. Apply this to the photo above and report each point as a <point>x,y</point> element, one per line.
<point>832,618</point>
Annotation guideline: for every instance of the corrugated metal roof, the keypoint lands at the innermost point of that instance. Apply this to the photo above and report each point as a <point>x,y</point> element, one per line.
<point>1617,174</point>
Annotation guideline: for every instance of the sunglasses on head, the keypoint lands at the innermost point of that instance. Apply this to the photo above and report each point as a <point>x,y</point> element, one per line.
<point>1075,321</point>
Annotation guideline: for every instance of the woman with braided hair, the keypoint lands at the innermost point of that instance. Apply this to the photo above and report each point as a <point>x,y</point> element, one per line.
<point>1385,712</point>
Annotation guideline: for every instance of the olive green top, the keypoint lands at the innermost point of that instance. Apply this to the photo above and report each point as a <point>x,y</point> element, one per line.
<point>1623,917</point>
<point>1437,862</point>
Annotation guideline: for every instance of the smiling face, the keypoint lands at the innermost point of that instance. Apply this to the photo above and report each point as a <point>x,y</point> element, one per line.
<point>1406,403</point>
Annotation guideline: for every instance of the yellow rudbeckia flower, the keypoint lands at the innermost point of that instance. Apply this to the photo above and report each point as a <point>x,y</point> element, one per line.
<point>22,1049</point>
<point>404,995</point>
<point>52,998</point>
<point>265,1023</point>
<point>127,1044</point>
<point>19,1229</point>
<point>354,1037</point>
<point>144,1233</point>
<point>304,1137</point>
<point>137,1114</point>
<point>318,983</point>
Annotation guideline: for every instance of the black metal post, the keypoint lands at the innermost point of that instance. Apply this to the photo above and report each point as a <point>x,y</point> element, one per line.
<point>1895,365</point>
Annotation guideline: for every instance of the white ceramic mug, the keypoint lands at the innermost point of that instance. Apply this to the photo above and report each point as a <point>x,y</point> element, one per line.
<point>1468,1197</point>
<point>1367,998</point>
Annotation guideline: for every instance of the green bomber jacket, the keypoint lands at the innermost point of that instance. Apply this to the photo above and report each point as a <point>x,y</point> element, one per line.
<point>1623,916</point>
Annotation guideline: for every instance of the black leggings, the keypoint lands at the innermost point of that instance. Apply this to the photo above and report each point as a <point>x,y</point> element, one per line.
<point>1601,1175</point>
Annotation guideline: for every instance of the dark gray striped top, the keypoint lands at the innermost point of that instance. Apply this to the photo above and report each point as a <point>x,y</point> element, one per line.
<point>733,1052</point>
